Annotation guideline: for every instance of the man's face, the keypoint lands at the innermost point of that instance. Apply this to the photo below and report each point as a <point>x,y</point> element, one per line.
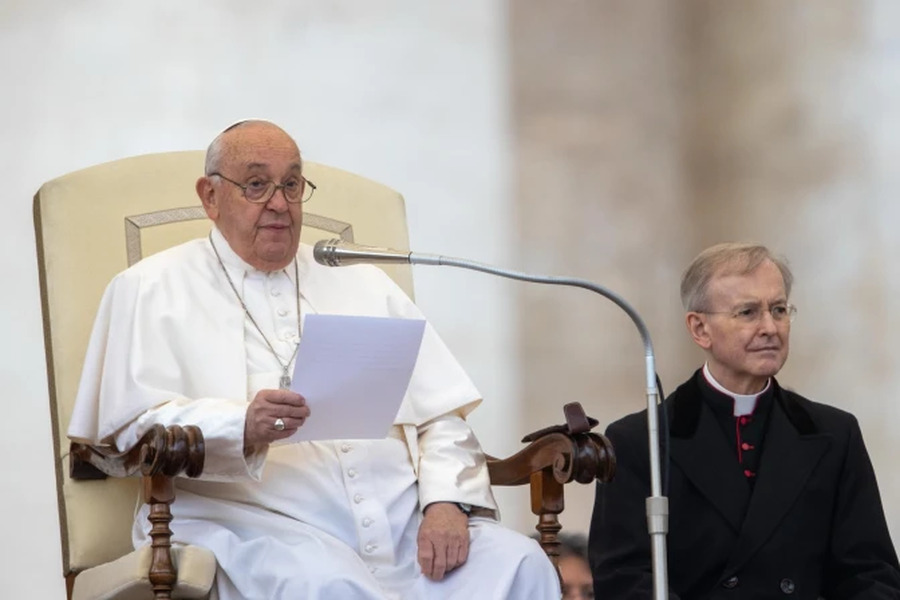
<point>265,235</point>
<point>744,352</point>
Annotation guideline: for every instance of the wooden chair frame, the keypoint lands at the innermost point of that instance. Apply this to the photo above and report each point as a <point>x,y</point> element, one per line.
<point>553,457</point>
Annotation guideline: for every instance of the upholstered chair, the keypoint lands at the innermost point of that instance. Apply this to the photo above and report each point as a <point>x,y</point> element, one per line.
<point>93,223</point>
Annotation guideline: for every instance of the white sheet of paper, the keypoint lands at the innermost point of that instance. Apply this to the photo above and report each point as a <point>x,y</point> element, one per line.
<point>354,372</point>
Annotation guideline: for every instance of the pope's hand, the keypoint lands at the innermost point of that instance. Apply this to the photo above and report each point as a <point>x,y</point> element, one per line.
<point>443,539</point>
<point>267,407</point>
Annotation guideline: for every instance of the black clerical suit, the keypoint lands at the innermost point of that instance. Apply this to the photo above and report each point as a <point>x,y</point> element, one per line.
<point>801,518</point>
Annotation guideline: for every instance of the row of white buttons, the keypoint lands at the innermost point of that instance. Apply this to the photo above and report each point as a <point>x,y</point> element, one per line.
<point>367,522</point>
<point>282,312</point>
<point>358,499</point>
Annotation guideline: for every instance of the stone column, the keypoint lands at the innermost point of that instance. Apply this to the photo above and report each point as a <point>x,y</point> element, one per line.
<point>648,130</point>
<point>600,195</point>
<point>792,136</point>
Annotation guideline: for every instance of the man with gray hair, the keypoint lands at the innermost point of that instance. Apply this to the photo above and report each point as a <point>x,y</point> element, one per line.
<point>206,333</point>
<point>770,494</point>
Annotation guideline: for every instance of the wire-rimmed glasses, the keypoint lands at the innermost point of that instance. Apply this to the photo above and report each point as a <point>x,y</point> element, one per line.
<point>296,189</point>
<point>753,313</point>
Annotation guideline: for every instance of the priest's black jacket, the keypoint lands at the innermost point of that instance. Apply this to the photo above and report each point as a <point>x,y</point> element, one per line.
<point>811,525</point>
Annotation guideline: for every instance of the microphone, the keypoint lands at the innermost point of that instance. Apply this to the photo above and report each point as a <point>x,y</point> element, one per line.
<point>336,253</point>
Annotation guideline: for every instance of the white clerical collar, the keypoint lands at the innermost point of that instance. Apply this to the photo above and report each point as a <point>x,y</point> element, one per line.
<point>235,263</point>
<point>744,404</point>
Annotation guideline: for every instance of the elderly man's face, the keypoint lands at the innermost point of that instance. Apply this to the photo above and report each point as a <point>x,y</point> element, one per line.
<point>265,235</point>
<point>742,352</point>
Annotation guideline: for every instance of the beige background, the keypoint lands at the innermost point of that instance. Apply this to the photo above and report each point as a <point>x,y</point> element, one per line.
<point>598,139</point>
<point>648,130</point>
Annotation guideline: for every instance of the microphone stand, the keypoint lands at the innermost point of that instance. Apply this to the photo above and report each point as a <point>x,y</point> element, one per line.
<point>336,253</point>
<point>657,505</point>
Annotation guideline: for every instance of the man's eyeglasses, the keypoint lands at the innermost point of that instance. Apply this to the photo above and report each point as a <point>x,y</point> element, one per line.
<point>752,314</point>
<point>257,190</point>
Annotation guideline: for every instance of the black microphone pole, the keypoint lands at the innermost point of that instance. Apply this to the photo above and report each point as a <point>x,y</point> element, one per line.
<point>336,253</point>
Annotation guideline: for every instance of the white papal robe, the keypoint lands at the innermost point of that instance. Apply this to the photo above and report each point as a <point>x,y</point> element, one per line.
<point>331,520</point>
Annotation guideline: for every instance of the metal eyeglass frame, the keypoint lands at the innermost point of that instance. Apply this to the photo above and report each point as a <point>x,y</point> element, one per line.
<point>274,187</point>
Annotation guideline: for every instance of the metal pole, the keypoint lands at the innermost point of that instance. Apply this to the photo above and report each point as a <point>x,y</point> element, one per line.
<point>657,505</point>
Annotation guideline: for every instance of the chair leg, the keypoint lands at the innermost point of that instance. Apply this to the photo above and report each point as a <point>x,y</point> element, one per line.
<point>70,585</point>
<point>547,502</point>
<point>159,492</point>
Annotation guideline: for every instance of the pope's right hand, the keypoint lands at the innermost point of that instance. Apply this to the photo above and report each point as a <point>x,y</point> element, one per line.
<point>267,407</point>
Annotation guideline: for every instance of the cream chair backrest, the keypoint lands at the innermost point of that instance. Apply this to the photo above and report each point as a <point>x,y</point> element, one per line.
<point>93,223</point>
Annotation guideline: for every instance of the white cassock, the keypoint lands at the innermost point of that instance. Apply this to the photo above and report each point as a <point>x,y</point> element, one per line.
<point>332,520</point>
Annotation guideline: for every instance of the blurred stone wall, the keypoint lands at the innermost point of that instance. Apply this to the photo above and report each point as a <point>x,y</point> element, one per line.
<point>646,131</point>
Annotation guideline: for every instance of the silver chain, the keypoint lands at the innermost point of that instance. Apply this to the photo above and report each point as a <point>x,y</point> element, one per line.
<point>285,380</point>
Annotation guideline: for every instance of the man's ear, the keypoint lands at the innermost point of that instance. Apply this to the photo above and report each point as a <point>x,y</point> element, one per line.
<point>699,329</point>
<point>208,197</point>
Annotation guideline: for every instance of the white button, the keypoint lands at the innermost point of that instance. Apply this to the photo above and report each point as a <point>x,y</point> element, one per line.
<point>345,448</point>
<point>358,498</point>
<point>282,312</point>
<point>367,522</point>
<point>370,548</point>
<point>351,473</point>
<point>276,293</point>
<point>288,336</point>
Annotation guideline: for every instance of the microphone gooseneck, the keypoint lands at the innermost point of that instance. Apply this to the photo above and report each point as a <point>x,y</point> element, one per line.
<point>336,253</point>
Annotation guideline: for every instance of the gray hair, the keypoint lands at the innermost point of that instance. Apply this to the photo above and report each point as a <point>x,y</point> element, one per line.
<point>730,257</point>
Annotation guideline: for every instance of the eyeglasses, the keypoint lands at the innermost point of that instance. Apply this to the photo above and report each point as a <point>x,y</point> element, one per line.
<point>752,314</point>
<point>257,190</point>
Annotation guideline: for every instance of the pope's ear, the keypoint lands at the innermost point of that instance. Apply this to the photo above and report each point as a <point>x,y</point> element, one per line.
<point>207,194</point>
<point>699,329</point>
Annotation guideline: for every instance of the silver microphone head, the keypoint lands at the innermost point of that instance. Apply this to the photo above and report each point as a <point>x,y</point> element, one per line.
<point>324,252</point>
<point>338,253</point>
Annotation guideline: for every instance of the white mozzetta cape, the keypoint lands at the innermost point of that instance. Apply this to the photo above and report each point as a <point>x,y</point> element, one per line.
<point>169,330</point>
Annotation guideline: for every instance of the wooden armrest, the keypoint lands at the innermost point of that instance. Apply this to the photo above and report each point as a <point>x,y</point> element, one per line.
<point>582,457</point>
<point>168,451</point>
<point>553,457</point>
<point>161,454</point>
